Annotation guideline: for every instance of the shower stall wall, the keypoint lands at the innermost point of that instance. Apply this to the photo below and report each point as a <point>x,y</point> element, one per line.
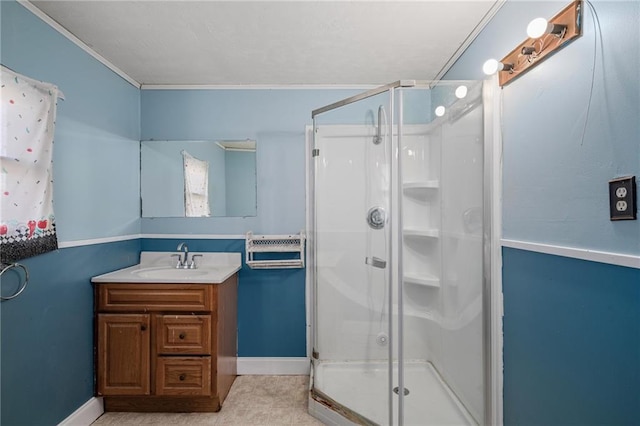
<point>397,254</point>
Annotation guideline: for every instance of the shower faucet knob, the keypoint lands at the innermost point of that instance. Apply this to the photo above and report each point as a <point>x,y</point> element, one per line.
<point>376,217</point>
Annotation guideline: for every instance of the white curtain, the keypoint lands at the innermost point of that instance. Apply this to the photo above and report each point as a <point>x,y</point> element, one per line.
<point>196,186</point>
<point>27,222</point>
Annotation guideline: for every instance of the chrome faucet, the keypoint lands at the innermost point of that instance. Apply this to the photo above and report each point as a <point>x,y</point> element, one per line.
<point>183,263</point>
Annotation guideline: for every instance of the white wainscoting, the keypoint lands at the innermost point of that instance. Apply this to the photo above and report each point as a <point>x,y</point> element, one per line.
<point>619,259</point>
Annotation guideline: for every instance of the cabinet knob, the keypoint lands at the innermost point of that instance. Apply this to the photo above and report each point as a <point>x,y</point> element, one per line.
<point>143,327</point>
<point>182,377</point>
<point>182,336</point>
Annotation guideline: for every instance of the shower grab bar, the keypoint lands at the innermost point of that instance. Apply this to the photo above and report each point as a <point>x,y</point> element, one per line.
<point>376,262</point>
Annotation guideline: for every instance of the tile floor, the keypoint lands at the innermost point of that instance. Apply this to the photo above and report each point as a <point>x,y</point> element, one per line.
<point>252,401</point>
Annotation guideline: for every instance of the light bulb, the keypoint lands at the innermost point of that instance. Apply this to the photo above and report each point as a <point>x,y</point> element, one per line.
<point>461,92</point>
<point>440,111</point>
<point>537,28</point>
<point>490,67</point>
<point>540,26</point>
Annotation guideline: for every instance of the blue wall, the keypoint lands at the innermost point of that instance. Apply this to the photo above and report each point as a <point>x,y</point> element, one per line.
<point>571,333</point>
<point>46,354</point>
<point>96,155</point>
<point>555,183</point>
<point>572,341</point>
<point>47,333</point>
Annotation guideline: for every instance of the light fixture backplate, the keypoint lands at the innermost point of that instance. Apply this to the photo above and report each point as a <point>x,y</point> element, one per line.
<point>570,17</point>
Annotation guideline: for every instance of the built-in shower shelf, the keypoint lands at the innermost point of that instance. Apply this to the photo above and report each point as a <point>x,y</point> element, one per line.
<point>420,186</point>
<point>421,233</point>
<point>421,279</point>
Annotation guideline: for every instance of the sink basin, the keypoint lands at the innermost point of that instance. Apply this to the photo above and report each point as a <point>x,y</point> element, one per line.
<point>159,268</point>
<point>170,273</point>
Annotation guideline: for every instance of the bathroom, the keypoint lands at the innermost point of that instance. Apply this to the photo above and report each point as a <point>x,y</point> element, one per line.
<point>570,276</point>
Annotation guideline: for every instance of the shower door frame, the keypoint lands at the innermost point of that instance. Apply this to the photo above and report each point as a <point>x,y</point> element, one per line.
<point>344,411</point>
<point>492,253</point>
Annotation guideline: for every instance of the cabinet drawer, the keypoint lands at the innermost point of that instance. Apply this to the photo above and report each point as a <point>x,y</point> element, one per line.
<point>155,297</point>
<point>183,376</point>
<point>183,334</point>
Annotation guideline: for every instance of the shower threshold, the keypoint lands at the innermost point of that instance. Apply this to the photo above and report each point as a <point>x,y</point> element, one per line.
<point>362,387</point>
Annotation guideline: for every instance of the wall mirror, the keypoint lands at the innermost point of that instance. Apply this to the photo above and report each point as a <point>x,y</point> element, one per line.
<point>198,178</point>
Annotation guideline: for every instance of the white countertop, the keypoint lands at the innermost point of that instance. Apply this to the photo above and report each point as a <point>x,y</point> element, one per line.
<point>159,267</point>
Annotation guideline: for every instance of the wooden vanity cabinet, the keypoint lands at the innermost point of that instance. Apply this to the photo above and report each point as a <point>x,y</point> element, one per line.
<point>165,347</point>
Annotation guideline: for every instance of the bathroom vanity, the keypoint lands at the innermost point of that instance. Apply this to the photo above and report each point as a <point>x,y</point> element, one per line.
<point>166,338</point>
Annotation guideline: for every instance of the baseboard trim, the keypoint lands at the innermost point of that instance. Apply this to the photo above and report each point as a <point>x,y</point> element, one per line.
<point>273,366</point>
<point>86,414</point>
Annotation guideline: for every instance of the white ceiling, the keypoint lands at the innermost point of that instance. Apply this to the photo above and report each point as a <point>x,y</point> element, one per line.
<point>183,42</point>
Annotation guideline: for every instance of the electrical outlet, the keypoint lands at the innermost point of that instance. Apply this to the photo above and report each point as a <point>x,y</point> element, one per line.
<point>621,192</point>
<point>623,198</point>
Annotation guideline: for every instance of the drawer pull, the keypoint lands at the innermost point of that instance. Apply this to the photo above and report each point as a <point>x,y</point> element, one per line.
<point>182,336</point>
<point>143,327</point>
<point>182,377</point>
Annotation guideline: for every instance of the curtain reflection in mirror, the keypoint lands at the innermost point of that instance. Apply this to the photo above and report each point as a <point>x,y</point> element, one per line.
<point>196,186</point>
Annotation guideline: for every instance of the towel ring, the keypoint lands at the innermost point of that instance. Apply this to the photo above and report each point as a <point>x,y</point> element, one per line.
<point>22,286</point>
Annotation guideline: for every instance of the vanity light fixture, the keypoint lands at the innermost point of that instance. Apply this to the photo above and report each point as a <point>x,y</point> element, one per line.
<point>545,38</point>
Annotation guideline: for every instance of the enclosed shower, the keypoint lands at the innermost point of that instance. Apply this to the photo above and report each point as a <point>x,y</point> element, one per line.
<point>399,259</point>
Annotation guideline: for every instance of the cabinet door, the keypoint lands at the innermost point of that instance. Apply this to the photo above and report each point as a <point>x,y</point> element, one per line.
<point>123,354</point>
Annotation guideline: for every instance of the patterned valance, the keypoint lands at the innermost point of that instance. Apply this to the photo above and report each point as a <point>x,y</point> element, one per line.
<point>27,222</point>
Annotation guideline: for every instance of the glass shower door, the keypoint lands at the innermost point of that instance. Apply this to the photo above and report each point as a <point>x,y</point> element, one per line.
<point>352,295</point>
<point>441,166</point>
